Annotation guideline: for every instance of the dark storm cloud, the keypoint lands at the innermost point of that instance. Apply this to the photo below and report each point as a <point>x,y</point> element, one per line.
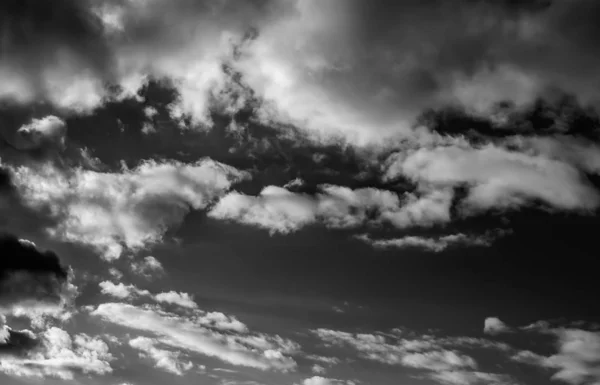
<point>27,273</point>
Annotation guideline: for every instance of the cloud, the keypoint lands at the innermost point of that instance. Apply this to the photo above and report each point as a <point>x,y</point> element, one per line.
<point>180,299</point>
<point>33,283</point>
<point>439,358</point>
<point>318,380</point>
<point>147,267</point>
<point>458,377</point>
<point>254,350</point>
<point>432,244</point>
<point>127,210</point>
<point>493,325</point>
<point>16,342</point>
<point>497,177</point>
<point>61,356</point>
<point>49,131</point>
<point>439,361</point>
<point>120,290</point>
<point>577,358</point>
<point>163,359</point>
<point>62,59</point>
<point>318,369</point>
<point>338,207</point>
<point>275,209</point>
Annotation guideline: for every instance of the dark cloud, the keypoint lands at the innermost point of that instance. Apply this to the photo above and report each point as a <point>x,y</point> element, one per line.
<point>18,342</point>
<point>27,273</point>
<point>561,115</point>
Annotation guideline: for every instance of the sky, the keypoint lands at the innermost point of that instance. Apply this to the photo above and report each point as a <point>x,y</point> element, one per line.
<point>299,192</point>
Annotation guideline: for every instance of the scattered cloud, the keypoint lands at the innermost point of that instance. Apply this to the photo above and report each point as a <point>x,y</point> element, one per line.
<point>431,244</point>
<point>33,283</point>
<point>317,380</point>
<point>59,355</point>
<point>180,299</point>
<point>148,267</point>
<point>48,132</point>
<point>166,360</point>
<point>493,325</point>
<point>120,290</point>
<point>439,358</point>
<point>193,335</point>
<point>127,210</point>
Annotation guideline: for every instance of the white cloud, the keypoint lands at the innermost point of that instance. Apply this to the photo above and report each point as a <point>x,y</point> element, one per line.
<point>128,210</point>
<point>180,299</point>
<point>438,361</point>
<point>282,211</point>
<point>147,267</point>
<point>48,131</point>
<point>275,209</point>
<point>324,359</point>
<point>438,357</point>
<point>578,358</point>
<point>458,377</point>
<point>318,369</point>
<point>163,359</point>
<point>496,177</point>
<point>425,209</point>
<point>121,290</point>
<point>432,244</point>
<point>187,333</point>
<point>318,380</point>
<point>493,325</point>
<point>61,356</point>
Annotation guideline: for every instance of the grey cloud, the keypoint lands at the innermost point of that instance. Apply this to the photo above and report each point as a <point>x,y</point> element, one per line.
<point>28,274</point>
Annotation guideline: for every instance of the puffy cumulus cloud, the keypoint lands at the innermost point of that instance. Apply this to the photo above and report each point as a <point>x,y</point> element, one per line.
<point>208,335</point>
<point>59,355</point>
<point>126,210</point>
<point>33,283</point>
<point>439,358</point>
<point>120,290</point>
<point>163,359</point>
<point>280,210</point>
<point>497,177</point>
<point>49,131</point>
<point>432,244</point>
<point>494,325</point>
<point>176,298</point>
<point>148,267</point>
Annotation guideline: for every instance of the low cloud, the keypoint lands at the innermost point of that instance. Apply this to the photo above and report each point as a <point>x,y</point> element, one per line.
<point>176,298</point>
<point>127,210</point>
<point>148,267</point>
<point>493,325</point>
<point>59,355</point>
<point>48,132</point>
<point>427,243</point>
<point>166,360</point>
<point>577,357</point>
<point>33,283</point>
<point>189,334</point>
<point>439,358</point>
